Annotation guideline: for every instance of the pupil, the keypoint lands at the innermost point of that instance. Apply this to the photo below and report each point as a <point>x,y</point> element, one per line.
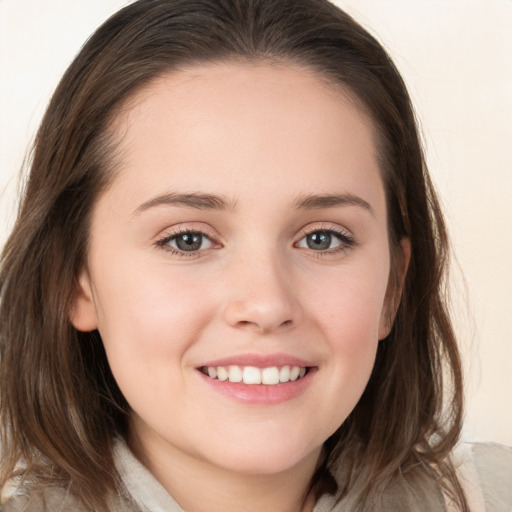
<point>320,240</point>
<point>189,242</point>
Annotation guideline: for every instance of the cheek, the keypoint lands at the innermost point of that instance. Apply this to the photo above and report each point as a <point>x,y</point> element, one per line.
<point>148,315</point>
<point>348,316</point>
<point>348,304</point>
<point>351,330</point>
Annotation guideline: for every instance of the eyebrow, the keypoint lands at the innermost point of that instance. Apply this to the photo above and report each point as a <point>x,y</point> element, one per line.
<point>191,200</point>
<point>202,201</point>
<point>319,201</point>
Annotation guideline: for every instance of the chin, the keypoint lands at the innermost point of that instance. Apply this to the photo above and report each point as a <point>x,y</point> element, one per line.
<point>262,459</point>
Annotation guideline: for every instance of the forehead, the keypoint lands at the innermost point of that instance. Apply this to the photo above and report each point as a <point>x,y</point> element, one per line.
<point>217,124</point>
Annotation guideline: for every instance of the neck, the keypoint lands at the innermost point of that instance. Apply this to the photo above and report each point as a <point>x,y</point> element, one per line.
<point>199,486</point>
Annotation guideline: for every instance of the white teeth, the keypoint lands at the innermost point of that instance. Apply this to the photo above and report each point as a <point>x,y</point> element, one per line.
<point>294,373</point>
<point>284,374</point>
<point>270,376</point>
<point>252,375</point>
<point>235,374</point>
<point>222,373</point>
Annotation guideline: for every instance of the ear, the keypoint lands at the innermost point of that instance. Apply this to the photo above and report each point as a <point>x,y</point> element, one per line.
<point>83,310</point>
<point>400,264</point>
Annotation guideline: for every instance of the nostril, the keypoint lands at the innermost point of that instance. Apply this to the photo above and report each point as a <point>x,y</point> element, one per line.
<point>259,314</point>
<point>246,323</point>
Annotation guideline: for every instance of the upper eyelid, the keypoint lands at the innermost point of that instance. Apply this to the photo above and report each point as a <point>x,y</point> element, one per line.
<point>325,226</point>
<point>176,234</point>
<point>176,231</point>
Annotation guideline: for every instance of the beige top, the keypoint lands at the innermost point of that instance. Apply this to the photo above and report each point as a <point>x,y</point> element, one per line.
<point>485,470</point>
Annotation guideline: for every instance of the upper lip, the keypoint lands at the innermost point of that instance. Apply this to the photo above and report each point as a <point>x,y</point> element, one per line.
<point>259,361</point>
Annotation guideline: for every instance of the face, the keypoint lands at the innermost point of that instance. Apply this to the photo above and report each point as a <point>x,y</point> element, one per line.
<point>238,265</point>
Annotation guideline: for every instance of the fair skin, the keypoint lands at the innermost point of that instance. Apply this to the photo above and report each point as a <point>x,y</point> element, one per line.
<point>246,228</point>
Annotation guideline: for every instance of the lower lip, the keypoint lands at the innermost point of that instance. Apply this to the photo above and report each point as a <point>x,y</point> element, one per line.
<point>260,393</point>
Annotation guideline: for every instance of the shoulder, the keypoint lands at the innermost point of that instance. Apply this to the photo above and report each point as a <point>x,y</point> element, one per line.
<point>412,490</point>
<point>485,470</point>
<point>52,498</point>
<point>40,500</point>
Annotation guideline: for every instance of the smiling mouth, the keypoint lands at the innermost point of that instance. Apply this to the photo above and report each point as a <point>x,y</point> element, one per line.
<point>253,375</point>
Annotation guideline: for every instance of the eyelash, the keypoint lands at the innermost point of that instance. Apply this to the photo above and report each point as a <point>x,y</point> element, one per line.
<point>346,240</point>
<point>163,243</point>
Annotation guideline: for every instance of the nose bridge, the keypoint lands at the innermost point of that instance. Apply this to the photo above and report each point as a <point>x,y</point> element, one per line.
<point>260,292</point>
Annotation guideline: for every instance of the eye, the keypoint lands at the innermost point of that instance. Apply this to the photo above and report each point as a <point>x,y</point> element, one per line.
<point>325,240</point>
<point>188,241</point>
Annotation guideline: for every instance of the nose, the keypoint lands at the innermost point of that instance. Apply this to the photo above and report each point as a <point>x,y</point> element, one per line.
<point>261,297</point>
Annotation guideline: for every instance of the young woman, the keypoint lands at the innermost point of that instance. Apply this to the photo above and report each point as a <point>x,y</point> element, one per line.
<point>224,287</point>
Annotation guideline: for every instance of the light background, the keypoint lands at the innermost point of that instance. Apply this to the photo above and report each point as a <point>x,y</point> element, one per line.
<point>456,57</point>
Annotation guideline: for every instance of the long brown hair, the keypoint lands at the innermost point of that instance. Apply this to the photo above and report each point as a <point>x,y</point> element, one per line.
<point>60,406</point>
